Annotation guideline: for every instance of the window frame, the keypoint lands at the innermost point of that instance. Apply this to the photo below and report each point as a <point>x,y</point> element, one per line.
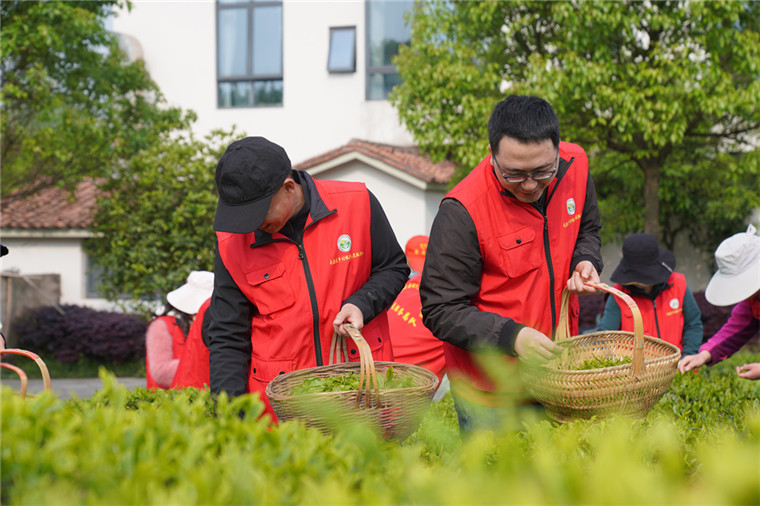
<point>249,77</point>
<point>347,69</point>
<point>371,70</point>
<point>93,275</point>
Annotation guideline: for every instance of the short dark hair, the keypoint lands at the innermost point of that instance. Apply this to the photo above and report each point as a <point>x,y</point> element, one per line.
<point>524,118</point>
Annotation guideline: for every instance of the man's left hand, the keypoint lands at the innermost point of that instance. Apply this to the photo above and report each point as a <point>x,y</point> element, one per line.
<point>349,313</point>
<point>585,272</point>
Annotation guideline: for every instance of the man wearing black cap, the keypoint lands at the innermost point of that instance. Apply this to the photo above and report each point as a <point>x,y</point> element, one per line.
<point>667,306</point>
<point>296,258</point>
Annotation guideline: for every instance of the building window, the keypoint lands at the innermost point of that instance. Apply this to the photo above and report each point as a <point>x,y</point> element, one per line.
<point>386,31</point>
<point>249,53</point>
<point>93,276</point>
<point>342,58</point>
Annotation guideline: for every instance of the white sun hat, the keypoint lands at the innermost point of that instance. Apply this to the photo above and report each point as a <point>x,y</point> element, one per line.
<point>738,276</point>
<point>189,297</point>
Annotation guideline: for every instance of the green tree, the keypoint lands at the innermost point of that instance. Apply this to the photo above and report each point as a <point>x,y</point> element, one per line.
<point>156,226</point>
<point>663,95</point>
<point>72,105</point>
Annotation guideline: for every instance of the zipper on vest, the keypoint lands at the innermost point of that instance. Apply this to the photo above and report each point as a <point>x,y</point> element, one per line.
<point>550,266</point>
<point>656,320</point>
<point>547,245</point>
<point>313,300</point>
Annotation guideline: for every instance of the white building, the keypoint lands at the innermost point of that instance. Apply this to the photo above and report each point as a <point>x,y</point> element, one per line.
<point>284,50</point>
<point>44,235</point>
<point>309,75</point>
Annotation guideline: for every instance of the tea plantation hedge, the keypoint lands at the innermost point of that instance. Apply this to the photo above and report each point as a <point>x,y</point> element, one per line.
<point>699,445</point>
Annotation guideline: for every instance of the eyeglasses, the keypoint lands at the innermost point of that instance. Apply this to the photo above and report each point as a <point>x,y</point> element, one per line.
<point>536,176</point>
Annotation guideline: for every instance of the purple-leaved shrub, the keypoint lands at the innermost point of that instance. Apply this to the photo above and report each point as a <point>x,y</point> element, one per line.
<point>81,332</point>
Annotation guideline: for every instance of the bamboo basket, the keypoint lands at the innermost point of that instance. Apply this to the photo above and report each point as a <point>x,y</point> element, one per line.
<point>630,389</point>
<point>20,372</point>
<point>392,414</point>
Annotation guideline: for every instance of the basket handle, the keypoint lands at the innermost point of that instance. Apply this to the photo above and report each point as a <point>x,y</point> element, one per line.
<point>40,363</point>
<point>366,368</point>
<point>338,348</point>
<point>21,376</point>
<point>563,328</point>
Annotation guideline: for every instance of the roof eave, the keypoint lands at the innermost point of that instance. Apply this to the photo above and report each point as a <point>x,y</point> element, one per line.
<point>46,233</point>
<point>392,171</point>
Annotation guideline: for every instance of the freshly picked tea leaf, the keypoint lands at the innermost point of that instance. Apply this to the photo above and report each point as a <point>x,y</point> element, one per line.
<point>600,362</point>
<point>349,381</point>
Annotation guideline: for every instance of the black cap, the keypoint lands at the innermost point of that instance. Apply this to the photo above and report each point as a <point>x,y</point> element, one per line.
<point>644,261</point>
<point>248,174</point>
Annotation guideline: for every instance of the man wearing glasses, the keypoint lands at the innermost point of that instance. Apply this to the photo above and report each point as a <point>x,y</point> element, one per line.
<point>506,241</point>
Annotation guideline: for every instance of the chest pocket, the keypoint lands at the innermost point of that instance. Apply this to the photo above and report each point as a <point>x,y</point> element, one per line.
<point>264,371</point>
<point>376,345</point>
<point>270,290</point>
<point>521,251</point>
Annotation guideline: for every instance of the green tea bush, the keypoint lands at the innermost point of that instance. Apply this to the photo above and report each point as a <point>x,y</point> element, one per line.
<point>699,445</point>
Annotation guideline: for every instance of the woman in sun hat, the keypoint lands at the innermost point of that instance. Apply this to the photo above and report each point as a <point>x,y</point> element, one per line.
<point>166,334</point>
<point>668,309</point>
<point>193,367</point>
<point>737,281</point>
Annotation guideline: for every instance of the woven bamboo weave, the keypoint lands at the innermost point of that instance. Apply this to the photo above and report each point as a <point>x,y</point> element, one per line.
<point>392,414</point>
<point>630,389</point>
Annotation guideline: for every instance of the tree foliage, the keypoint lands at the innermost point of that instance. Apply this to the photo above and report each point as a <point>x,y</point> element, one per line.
<point>73,106</point>
<point>663,95</point>
<point>155,224</point>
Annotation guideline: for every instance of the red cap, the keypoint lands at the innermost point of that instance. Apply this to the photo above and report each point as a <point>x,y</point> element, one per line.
<point>416,247</point>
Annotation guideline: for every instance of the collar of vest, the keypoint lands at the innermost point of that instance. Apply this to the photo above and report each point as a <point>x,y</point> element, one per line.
<point>318,207</point>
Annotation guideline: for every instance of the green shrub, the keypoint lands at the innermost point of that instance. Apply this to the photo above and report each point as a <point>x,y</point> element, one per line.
<point>699,445</point>
<point>81,332</point>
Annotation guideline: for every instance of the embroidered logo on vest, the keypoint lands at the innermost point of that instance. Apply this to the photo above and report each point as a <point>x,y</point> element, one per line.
<point>673,303</point>
<point>344,243</point>
<point>570,206</point>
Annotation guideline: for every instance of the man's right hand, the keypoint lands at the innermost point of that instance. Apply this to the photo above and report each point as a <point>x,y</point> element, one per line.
<point>690,362</point>
<point>533,346</point>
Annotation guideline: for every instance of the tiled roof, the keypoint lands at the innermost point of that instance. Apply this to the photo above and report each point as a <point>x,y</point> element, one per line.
<point>406,159</point>
<point>51,208</point>
<point>54,209</point>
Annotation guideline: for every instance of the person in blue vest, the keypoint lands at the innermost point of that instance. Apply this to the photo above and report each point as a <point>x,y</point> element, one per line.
<point>296,258</point>
<point>668,309</point>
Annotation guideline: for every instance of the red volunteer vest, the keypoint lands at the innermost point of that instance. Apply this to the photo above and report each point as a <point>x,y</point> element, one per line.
<point>178,346</point>
<point>298,295</point>
<point>526,259</point>
<point>412,342</point>
<point>665,312</point>
<point>192,370</point>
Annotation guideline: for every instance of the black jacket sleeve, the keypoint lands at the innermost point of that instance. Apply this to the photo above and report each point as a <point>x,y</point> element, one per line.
<point>450,280</point>
<point>588,244</point>
<point>229,333</point>
<point>389,268</point>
